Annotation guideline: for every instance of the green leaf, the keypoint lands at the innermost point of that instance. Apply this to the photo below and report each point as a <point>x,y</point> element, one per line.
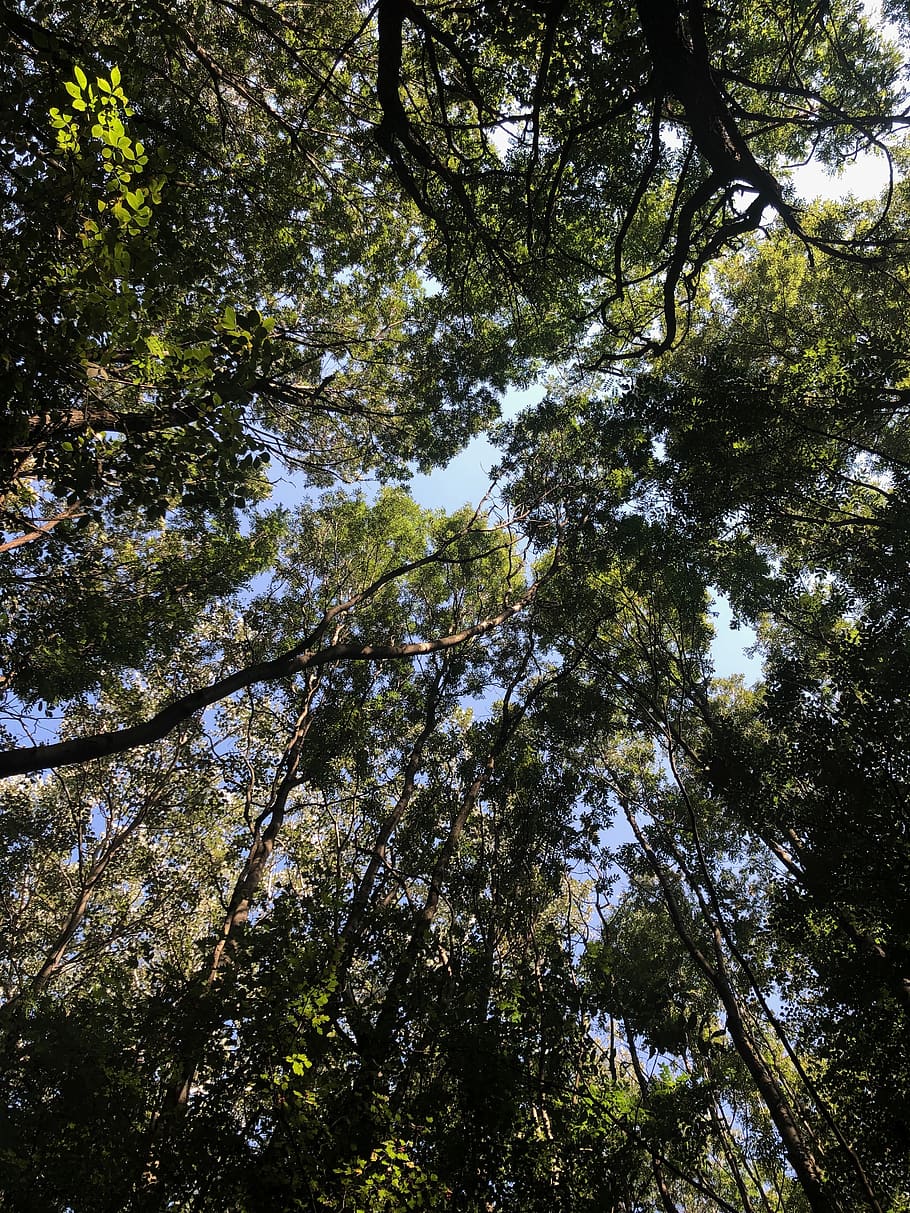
<point>80,76</point>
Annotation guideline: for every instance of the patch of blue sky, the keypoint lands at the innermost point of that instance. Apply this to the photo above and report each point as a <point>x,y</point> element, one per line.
<point>466,478</point>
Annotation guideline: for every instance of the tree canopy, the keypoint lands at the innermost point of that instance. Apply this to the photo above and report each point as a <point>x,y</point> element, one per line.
<point>360,855</point>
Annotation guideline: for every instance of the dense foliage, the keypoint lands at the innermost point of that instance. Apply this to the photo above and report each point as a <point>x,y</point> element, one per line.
<point>356,855</point>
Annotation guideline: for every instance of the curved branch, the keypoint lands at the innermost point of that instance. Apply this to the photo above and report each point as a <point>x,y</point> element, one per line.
<point>29,759</point>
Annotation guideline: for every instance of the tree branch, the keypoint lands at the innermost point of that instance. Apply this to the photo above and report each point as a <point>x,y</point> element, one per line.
<point>29,759</point>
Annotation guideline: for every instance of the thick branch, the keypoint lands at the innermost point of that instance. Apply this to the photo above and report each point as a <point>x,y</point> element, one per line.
<point>28,759</point>
<point>683,68</point>
<point>76,421</point>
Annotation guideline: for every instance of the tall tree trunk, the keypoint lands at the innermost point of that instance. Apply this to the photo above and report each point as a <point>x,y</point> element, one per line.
<point>353,926</point>
<point>797,1150</point>
<point>203,1011</point>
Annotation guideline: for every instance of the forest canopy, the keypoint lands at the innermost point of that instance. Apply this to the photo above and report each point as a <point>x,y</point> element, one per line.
<point>356,854</point>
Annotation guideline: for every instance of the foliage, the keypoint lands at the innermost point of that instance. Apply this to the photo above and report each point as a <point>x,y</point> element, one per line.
<point>359,856</point>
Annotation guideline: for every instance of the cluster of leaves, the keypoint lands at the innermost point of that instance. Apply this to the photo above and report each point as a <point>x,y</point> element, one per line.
<point>114,389</point>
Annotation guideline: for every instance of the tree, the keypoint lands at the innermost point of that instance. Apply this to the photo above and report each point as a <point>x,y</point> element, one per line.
<point>358,856</point>
<point>698,105</point>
